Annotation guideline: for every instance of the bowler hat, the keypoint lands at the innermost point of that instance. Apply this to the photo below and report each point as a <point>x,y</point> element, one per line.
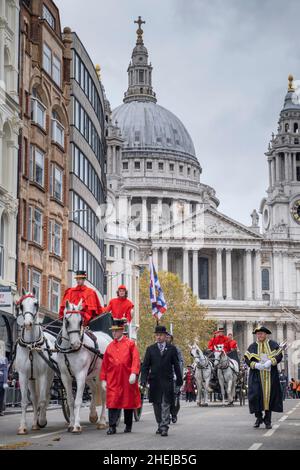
<point>160,329</point>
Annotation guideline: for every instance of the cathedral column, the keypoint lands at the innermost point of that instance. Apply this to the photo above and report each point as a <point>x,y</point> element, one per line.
<point>250,337</point>
<point>273,172</point>
<point>219,274</point>
<point>175,218</point>
<point>257,272</point>
<point>114,160</point>
<point>279,326</point>
<point>248,272</point>
<point>286,167</point>
<point>144,217</point>
<point>155,258</point>
<point>165,266</point>
<point>286,278</point>
<point>270,173</point>
<point>277,164</point>
<point>229,326</point>
<point>294,167</point>
<point>196,272</point>
<point>185,266</point>
<point>297,265</point>
<point>276,275</point>
<point>228,274</point>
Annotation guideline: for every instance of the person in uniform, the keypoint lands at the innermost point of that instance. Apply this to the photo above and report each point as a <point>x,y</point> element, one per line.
<point>265,395</point>
<point>232,348</point>
<point>219,339</point>
<point>174,411</point>
<point>91,304</point>
<point>119,375</point>
<point>160,363</point>
<point>121,306</point>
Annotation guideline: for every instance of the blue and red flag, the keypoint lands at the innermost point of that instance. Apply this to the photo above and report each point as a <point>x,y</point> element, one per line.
<point>157,298</point>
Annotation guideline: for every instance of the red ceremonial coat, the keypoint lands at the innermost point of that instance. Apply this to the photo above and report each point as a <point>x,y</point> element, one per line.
<point>91,304</point>
<point>217,341</point>
<point>121,359</point>
<point>232,345</point>
<point>189,382</point>
<point>120,308</point>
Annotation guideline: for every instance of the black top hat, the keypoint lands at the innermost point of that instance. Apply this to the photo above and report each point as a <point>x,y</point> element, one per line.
<point>161,329</point>
<point>80,275</point>
<point>262,329</point>
<point>118,324</point>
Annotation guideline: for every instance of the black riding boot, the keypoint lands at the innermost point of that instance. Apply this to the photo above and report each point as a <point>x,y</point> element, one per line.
<point>268,419</point>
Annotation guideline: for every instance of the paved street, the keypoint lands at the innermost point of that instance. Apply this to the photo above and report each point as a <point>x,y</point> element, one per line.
<point>198,429</point>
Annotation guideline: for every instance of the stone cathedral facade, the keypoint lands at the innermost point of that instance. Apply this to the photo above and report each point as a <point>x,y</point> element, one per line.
<point>243,274</point>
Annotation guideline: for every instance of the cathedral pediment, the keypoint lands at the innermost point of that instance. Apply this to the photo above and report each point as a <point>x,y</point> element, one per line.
<point>219,225</point>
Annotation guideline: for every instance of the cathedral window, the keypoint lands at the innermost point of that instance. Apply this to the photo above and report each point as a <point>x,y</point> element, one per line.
<point>125,166</point>
<point>181,169</point>
<point>141,76</point>
<point>149,166</point>
<point>287,128</point>
<point>161,167</point>
<point>265,279</point>
<point>137,165</point>
<point>171,166</point>
<point>296,128</point>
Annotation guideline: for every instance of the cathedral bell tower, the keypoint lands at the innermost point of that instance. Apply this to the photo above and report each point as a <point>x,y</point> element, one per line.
<point>281,209</point>
<point>140,71</point>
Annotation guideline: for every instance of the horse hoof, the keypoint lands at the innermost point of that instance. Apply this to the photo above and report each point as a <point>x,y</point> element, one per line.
<point>101,426</point>
<point>22,432</point>
<point>94,419</point>
<point>42,426</point>
<point>35,427</point>
<point>77,430</point>
<point>205,405</point>
<point>198,404</point>
<point>70,428</point>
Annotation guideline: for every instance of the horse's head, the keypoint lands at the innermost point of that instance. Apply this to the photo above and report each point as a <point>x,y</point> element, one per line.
<point>27,309</point>
<point>196,353</point>
<point>219,353</point>
<point>73,323</point>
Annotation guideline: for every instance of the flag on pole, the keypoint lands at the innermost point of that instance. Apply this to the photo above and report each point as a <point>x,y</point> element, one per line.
<point>157,298</point>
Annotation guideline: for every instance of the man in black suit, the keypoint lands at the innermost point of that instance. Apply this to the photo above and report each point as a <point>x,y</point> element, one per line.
<point>161,360</point>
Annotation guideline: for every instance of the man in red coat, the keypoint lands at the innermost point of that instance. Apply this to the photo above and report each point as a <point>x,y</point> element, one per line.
<point>91,304</point>
<point>219,339</point>
<point>119,376</point>
<point>121,306</point>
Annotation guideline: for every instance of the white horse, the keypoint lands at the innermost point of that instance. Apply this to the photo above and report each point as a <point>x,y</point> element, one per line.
<point>203,373</point>
<point>35,374</point>
<point>75,359</point>
<point>228,370</point>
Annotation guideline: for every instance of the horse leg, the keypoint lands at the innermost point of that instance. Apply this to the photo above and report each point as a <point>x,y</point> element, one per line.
<point>222,386</point>
<point>102,422</point>
<point>206,391</point>
<point>45,385</point>
<point>34,400</point>
<point>67,383</point>
<point>229,392</point>
<point>80,381</point>
<point>23,379</point>
<point>93,410</point>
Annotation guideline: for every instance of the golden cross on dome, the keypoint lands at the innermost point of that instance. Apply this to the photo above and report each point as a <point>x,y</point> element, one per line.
<point>140,32</point>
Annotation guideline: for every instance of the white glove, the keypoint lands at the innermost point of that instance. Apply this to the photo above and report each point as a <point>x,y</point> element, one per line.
<point>104,385</point>
<point>132,379</point>
<point>267,364</point>
<point>259,366</point>
<point>5,386</point>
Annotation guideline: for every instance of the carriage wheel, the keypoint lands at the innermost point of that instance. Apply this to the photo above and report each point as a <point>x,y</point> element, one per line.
<point>64,403</point>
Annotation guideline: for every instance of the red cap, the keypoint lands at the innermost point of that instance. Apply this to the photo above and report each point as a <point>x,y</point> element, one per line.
<point>122,287</point>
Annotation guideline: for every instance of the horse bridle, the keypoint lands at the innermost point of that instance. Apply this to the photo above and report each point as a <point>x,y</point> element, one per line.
<point>198,364</point>
<point>80,332</point>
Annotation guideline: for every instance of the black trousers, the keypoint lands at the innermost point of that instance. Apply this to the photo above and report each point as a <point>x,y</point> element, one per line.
<point>114,415</point>
<point>2,395</point>
<point>268,416</point>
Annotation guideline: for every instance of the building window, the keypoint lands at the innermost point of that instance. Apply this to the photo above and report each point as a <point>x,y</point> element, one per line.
<point>55,238</point>
<point>125,166</point>
<point>58,131</point>
<point>36,283</point>
<point>171,166</point>
<point>38,110</point>
<point>111,251</point>
<point>56,183</point>
<point>37,166</point>
<point>47,59</point>
<point>149,165</point>
<point>181,169</point>
<point>2,231</point>
<point>47,15</point>
<point>56,70</point>
<point>123,252</point>
<point>35,229</point>
<point>265,278</point>
<point>53,295</point>
<point>137,165</point>
<point>141,76</point>
<point>161,166</point>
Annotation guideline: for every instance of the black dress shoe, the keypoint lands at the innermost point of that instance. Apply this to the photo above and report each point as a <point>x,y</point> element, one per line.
<point>127,430</point>
<point>159,431</point>
<point>268,425</point>
<point>111,431</point>
<point>258,422</point>
<point>174,419</point>
<point>164,433</point>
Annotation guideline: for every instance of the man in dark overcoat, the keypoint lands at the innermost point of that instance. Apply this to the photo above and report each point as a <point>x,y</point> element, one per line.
<point>160,363</point>
<point>265,394</point>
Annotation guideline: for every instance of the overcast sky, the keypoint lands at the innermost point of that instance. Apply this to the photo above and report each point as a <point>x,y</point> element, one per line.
<point>220,65</point>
